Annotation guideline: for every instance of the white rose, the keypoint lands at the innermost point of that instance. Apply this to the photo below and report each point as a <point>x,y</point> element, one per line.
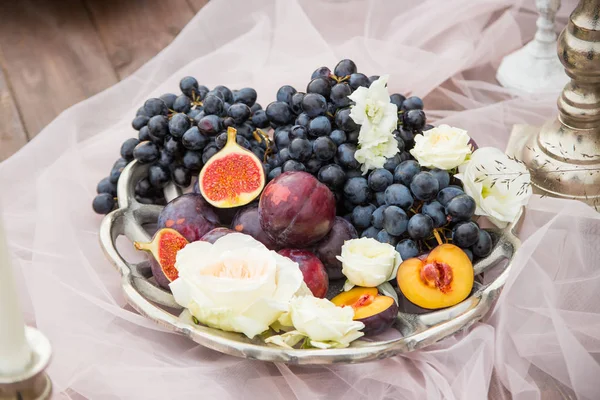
<point>374,155</point>
<point>499,185</point>
<point>321,321</point>
<point>235,284</point>
<point>442,147</point>
<point>378,118</point>
<point>373,106</point>
<point>368,263</point>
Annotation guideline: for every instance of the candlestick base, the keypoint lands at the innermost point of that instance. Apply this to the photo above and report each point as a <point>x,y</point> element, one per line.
<point>33,383</point>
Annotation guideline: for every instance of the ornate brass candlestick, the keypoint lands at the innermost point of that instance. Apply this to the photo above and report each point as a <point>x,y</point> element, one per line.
<point>564,155</point>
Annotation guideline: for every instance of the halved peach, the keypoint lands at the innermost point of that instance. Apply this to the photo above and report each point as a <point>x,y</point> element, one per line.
<point>376,311</point>
<point>441,279</point>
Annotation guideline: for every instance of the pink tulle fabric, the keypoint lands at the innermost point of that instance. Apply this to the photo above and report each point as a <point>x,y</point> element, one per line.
<point>542,340</point>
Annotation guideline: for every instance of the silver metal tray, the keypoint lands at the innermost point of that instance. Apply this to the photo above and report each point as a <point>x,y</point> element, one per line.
<point>414,328</point>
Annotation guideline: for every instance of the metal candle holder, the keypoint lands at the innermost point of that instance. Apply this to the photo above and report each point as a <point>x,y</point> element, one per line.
<point>33,383</point>
<point>563,156</point>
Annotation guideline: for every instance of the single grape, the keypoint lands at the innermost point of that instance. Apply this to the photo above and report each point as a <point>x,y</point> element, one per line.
<point>380,179</point>
<point>377,217</point>
<point>484,245</point>
<point>357,80</point>
<point>181,176</point>
<point>448,193</point>
<point>116,170</point>
<point>442,176</point>
<point>260,119</point>
<point>300,149</point>
<point>398,195</point>
<point>412,103</point>
<point>208,152</point>
<point>324,148</point>
<point>106,186</point>
<point>321,71</point>
<point>192,160</point>
<point>469,254</point>
<point>293,165</point>
<point>361,216</point>
<point>461,208</point>
<point>282,138</point>
<point>465,234</point>
<point>139,122</point>
<point>179,124</point>
<point>279,113</point>
<point>414,120</point>
<point>159,176</point>
<point>227,122</point>
<point>127,148</point>
<point>142,111</point>
<point>210,125</point>
<point>298,132</point>
<point>314,104</point>
<point>408,137</point>
<point>165,158</point>
<point>344,68</point>
<point>420,226</point>
<point>392,162</point>
<point>169,99</point>
<point>213,105</point>
<point>258,152</point>
<point>216,93</point>
<point>395,220</point>
<point>370,232</point>
<point>144,134</point>
<point>407,249</point>
<point>332,175</point>
<point>373,78</point>
<point>397,99</point>
<point>303,119</point>
<point>424,186</point>
<point>344,121</point>
<point>146,152</point>
<point>436,211</point>
<point>242,141</point>
<point>345,156</point>
<point>246,96</point>
<point>155,106</point>
<point>284,155</point>
<point>338,136</point>
<point>189,86</point>
<point>313,166</point>
<point>274,173</point>
<point>239,112</point>
<point>320,86</point>
<point>356,190</point>
<point>319,126</point>
<point>173,146</point>
<point>103,203</point>
<point>193,139</point>
<point>384,237</point>
<point>226,92</point>
<point>285,93</point>
<point>296,102</point>
<point>158,127</point>
<point>339,94</point>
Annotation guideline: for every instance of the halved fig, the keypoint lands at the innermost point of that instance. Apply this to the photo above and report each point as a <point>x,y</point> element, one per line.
<point>164,246</point>
<point>233,177</point>
<point>376,311</point>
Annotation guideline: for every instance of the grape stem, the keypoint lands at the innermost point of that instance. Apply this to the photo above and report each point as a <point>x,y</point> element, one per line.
<point>436,233</point>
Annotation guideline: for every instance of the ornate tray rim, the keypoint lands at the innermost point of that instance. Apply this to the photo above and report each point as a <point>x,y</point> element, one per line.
<point>418,330</point>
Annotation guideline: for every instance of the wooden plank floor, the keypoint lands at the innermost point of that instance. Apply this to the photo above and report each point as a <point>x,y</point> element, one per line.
<point>55,53</point>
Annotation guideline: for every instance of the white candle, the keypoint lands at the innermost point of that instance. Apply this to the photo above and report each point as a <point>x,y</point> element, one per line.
<point>15,353</point>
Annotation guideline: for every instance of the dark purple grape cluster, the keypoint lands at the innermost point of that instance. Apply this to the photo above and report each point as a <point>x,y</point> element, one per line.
<point>179,133</point>
<point>313,130</point>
